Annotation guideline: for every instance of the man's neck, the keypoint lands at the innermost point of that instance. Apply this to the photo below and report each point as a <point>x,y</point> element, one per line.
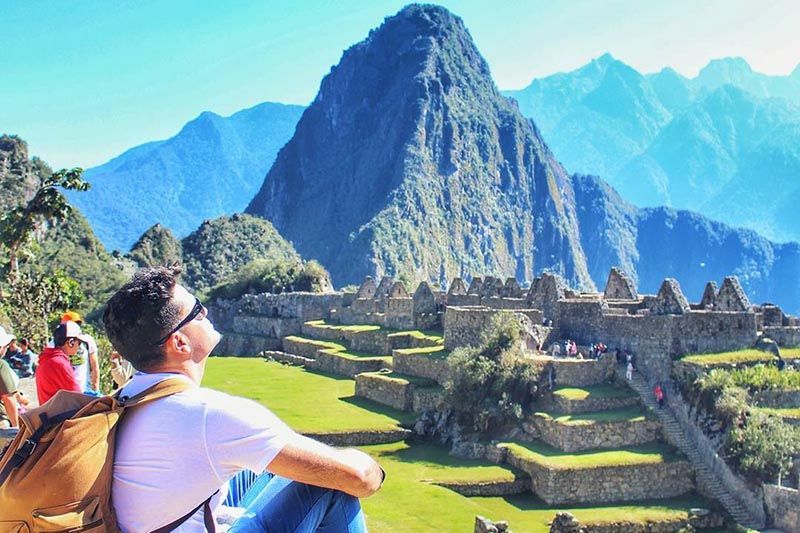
<point>189,369</point>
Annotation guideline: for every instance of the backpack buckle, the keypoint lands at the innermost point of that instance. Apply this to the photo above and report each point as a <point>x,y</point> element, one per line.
<point>26,450</point>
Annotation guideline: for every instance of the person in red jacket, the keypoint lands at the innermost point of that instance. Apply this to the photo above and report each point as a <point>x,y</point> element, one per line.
<point>55,371</point>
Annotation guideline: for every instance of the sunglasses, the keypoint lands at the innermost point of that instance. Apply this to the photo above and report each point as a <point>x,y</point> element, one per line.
<point>198,310</point>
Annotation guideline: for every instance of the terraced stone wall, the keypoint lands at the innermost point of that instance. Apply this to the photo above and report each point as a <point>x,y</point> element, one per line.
<point>607,484</point>
<point>384,390</point>
<point>587,405</point>
<point>783,507</point>
<point>655,339</point>
<point>785,336</point>
<point>421,364</point>
<point>464,326</point>
<point>577,437</point>
<point>582,372</point>
<point>777,398</point>
<point>257,322</point>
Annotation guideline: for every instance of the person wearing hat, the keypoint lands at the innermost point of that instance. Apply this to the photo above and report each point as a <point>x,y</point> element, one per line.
<point>55,371</point>
<point>9,383</point>
<point>84,363</point>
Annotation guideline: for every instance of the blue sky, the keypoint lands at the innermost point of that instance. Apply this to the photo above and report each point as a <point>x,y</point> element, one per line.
<point>83,80</point>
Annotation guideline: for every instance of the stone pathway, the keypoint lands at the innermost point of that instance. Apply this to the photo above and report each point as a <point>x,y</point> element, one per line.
<point>675,435</point>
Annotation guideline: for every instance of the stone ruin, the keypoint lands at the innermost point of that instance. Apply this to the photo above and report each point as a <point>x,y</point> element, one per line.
<point>670,299</point>
<point>656,327</point>
<point>731,296</point>
<point>620,286</point>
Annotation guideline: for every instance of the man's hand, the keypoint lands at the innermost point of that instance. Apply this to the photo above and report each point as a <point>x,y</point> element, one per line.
<point>311,462</point>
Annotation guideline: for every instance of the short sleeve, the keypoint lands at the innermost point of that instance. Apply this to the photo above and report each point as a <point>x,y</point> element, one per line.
<point>8,379</point>
<point>242,434</point>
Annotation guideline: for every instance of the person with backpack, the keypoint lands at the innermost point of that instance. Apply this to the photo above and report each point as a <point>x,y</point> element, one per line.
<point>173,453</point>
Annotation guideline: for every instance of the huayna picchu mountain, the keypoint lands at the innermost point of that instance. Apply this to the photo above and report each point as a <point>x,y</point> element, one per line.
<point>410,161</point>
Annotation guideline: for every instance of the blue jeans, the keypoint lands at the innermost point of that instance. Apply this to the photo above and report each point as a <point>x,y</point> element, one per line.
<point>284,506</point>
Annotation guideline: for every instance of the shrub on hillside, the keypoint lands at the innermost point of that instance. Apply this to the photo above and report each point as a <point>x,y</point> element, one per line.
<point>494,384</point>
<point>274,276</point>
<point>763,446</point>
<point>764,377</point>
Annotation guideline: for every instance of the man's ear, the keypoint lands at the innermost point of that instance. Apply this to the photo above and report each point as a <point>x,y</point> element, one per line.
<point>178,343</point>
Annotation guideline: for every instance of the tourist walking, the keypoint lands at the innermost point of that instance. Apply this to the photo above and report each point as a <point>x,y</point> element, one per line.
<point>629,371</point>
<point>658,392</point>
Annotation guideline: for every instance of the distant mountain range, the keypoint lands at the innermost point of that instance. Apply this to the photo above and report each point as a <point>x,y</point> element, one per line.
<point>410,161</point>
<point>212,167</point>
<point>725,143</point>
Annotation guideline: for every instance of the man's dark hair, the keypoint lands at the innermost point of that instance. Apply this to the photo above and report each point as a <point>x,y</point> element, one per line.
<point>141,313</point>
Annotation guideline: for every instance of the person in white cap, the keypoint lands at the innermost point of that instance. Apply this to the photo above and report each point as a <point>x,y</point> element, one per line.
<point>55,371</point>
<point>9,383</point>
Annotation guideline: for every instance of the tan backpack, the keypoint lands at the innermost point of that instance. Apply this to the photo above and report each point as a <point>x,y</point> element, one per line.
<point>56,474</point>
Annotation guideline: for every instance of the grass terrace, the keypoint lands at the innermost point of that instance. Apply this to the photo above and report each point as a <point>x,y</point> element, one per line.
<point>653,453</point>
<point>627,414</point>
<point>595,391</point>
<point>433,351</point>
<point>406,379</point>
<point>784,412</point>
<point>749,356</point>
<point>357,328</point>
<point>409,501</point>
<point>309,402</point>
<point>339,349</point>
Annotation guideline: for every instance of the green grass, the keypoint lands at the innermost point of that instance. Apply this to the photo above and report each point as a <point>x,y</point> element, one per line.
<point>596,391</point>
<point>785,412</point>
<point>434,351</point>
<point>309,402</point>
<point>405,379</point>
<point>434,336</point>
<point>338,349</point>
<point>409,502</point>
<point>554,458</point>
<point>627,414</point>
<point>739,357</point>
<point>357,328</point>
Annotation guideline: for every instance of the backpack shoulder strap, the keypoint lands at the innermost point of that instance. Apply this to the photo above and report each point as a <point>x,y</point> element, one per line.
<point>161,389</point>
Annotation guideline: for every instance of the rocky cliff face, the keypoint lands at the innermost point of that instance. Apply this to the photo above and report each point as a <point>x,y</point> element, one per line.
<point>410,161</point>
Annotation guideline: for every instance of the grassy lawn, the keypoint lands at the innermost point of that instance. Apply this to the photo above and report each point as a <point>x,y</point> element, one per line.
<point>554,458</point>
<point>309,402</point>
<point>596,391</point>
<point>739,357</point>
<point>627,414</point>
<point>408,502</point>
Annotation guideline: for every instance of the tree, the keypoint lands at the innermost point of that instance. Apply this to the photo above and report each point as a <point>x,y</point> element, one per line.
<point>19,224</point>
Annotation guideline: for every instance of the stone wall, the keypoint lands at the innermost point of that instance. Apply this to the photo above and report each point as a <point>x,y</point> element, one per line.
<point>428,399</point>
<point>576,437</point>
<point>342,365</point>
<point>245,345</point>
<point>425,365</point>
<point>752,498</point>
<point>464,326</point>
<point>589,405</point>
<point>385,390</point>
<point>655,339</point>
<point>581,372</point>
<point>783,507</point>
<point>607,484</point>
<point>785,336</point>
<point>777,398</point>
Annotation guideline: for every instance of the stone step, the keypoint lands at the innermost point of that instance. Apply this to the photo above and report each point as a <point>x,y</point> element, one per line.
<point>333,357</point>
<point>672,428</point>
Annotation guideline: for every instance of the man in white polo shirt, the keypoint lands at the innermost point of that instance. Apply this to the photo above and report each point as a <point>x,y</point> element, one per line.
<point>175,453</point>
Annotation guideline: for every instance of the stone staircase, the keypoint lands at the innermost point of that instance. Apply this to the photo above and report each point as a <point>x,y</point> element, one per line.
<point>675,435</point>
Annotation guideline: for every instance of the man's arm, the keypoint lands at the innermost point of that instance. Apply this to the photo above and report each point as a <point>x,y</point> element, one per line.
<point>311,462</point>
<point>10,403</point>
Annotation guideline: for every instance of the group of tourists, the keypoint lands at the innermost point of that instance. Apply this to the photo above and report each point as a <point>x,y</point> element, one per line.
<point>178,445</point>
<point>595,350</point>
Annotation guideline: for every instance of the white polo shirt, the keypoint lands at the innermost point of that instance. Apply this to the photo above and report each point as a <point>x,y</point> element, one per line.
<point>173,453</point>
